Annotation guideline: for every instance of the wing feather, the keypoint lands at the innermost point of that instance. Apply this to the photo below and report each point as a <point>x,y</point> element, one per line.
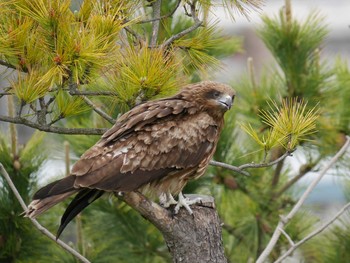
<point>149,153</point>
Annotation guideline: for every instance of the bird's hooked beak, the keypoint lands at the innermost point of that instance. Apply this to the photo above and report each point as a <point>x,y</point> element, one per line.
<point>226,101</point>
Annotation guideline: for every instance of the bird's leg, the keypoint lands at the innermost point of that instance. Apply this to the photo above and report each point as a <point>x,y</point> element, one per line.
<point>186,202</point>
<point>166,200</point>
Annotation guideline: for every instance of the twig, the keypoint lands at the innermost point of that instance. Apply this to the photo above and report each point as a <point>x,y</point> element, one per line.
<point>6,92</point>
<point>98,110</point>
<point>284,220</point>
<point>91,93</point>
<point>74,90</point>
<point>312,234</point>
<point>197,23</point>
<point>296,178</point>
<point>161,17</point>
<point>36,223</point>
<point>53,129</point>
<point>8,65</point>
<point>291,242</point>
<point>228,166</point>
<point>155,27</point>
<point>262,165</point>
<point>134,34</point>
<point>240,169</point>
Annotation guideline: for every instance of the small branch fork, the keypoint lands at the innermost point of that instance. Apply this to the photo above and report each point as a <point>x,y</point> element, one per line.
<point>294,246</point>
<point>285,219</point>
<point>53,129</point>
<point>42,229</point>
<point>197,23</point>
<point>240,169</point>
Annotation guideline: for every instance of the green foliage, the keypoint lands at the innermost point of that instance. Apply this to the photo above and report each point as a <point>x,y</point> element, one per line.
<point>288,39</point>
<point>104,47</point>
<point>143,74</point>
<point>20,240</point>
<point>274,109</point>
<point>287,126</point>
<point>141,241</point>
<point>68,106</point>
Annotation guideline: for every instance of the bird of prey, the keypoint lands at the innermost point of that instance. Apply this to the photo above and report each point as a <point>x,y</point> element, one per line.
<point>156,147</point>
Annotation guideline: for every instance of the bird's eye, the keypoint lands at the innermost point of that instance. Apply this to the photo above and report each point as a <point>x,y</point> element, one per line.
<point>216,94</point>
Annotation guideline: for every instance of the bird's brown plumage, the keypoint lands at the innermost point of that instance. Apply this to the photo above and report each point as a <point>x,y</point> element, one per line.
<point>158,146</point>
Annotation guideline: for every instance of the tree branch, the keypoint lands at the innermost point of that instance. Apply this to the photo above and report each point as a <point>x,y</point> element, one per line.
<point>36,223</point>
<point>284,220</point>
<point>53,129</point>
<point>262,165</point>
<point>134,34</point>
<point>189,238</point>
<point>197,23</point>
<point>240,169</point>
<point>98,110</point>
<point>296,178</point>
<point>8,65</point>
<point>6,92</point>
<point>155,27</point>
<point>313,233</point>
<point>229,167</point>
<point>161,17</point>
<point>92,93</point>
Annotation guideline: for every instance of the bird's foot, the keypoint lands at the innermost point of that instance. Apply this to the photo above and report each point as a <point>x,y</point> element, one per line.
<point>186,202</point>
<point>166,200</point>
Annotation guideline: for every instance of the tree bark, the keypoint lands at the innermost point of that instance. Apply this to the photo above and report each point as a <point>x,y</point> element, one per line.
<point>193,238</point>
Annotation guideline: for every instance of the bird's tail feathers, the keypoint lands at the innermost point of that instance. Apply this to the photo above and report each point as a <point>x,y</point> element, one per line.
<point>84,198</point>
<point>50,195</point>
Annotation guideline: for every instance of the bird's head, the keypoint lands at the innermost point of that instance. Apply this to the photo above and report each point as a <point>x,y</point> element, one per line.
<point>211,96</point>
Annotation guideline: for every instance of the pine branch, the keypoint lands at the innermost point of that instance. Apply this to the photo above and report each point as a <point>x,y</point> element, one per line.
<point>229,167</point>
<point>161,17</point>
<point>8,65</point>
<point>53,129</point>
<point>285,219</point>
<point>36,223</point>
<point>155,27</point>
<point>91,93</point>
<point>240,169</point>
<point>295,179</point>
<point>98,110</point>
<point>200,232</point>
<point>262,165</point>
<point>197,23</point>
<point>312,234</point>
<point>134,34</point>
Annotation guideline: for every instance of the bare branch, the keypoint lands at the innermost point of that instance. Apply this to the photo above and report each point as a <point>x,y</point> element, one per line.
<point>92,93</point>
<point>161,17</point>
<point>284,220</point>
<point>36,223</point>
<point>98,110</point>
<point>313,233</point>
<point>6,92</point>
<point>156,214</point>
<point>295,179</point>
<point>8,65</point>
<point>262,165</point>
<point>155,27</point>
<point>197,23</point>
<point>53,129</point>
<point>134,34</point>
<point>240,169</point>
<point>228,166</point>
<point>291,242</point>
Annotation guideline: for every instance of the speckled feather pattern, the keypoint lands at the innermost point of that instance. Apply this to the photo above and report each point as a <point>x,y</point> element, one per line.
<point>157,146</point>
